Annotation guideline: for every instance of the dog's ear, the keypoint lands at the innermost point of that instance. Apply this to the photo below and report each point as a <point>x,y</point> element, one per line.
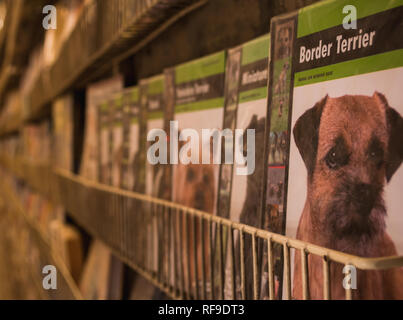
<point>306,134</point>
<point>394,122</point>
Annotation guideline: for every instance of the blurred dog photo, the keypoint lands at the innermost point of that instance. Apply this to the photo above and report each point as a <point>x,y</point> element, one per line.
<point>284,38</point>
<point>196,189</point>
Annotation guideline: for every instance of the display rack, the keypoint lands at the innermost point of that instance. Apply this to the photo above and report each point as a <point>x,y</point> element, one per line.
<point>130,223</point>
<point>128,218</point>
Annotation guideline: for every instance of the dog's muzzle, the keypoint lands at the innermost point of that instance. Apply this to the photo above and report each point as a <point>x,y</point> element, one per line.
<point>364,196</point>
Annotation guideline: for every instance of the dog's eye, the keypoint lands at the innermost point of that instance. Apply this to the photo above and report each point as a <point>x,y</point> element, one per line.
<point>190,175</point>
<point>335,159</point>
<point>374,154</point>
<point>331,159</point>
<point>337,156</point>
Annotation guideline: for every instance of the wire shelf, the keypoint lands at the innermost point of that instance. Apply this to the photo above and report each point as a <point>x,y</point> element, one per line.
<point>187,253</point>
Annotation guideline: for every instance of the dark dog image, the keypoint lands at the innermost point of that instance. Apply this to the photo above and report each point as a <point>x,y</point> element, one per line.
<point>279,113</point>
<point>273,146</point>
<point>284,41</point>
<point>275,185</point>
<point>276,191</point>
<point>351,146</point>
<point>273,222</point>
<point>159,190</point>
<point>278,147</point>
<point>273,218</point>
<point>250,213</point>
<point>195,188</point>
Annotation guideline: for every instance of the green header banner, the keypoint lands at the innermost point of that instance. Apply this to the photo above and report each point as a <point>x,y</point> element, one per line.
<point>256,50</point>
<point>200,68</point>
<point>326,14</point>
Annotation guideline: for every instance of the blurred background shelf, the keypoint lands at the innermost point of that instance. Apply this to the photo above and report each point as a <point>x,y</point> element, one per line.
<point>136,38</point>
<point>104,31</point>
<point>33,251</point>
<point>16,42</point>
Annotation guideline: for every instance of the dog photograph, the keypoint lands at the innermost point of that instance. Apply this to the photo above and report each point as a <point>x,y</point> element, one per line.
<point>196,186</point>
<point>278,147</point>
<point>284,39</point>
<point>281,84</point>
<point>153,172</point>
<point>246,189</point>
<point>281,88</point>
<point>345,180</point>
<point>275,189</point>
<point>273,222</point>
<point>154,187</point>
<point>225,190</point>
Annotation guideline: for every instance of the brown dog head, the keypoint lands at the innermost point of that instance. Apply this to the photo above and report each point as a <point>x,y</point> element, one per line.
<point>349,145</point>
<point>195,184</point>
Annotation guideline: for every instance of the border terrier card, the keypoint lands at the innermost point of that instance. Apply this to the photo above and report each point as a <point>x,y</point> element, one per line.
<point>336,73</point>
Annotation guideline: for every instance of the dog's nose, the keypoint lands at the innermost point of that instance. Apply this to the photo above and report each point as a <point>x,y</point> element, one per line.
<point>364,191</point>
<point>365,196</point>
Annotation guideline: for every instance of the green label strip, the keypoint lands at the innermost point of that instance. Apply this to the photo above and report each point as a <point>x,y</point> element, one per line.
<point>200,68</point>
<point>200,105</point>
<point>252,95</point>
<point>378,62</point>
<point>328,14</point>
